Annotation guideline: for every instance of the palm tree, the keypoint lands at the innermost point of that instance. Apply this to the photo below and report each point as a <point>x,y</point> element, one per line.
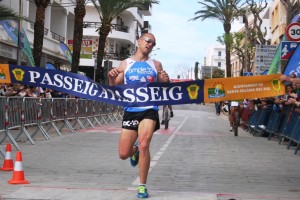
<point>223,11</point>
<point>78,33</point>
<point>109,10</point>
<point>41,6</point>
<point>7,14</point>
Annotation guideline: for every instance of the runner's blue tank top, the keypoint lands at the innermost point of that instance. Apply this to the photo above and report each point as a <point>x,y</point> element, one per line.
<point>137,72</point>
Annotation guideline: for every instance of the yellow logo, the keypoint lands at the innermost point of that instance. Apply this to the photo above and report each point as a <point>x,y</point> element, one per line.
<point>276,84</point>
<point>18,74</point>
<point>193,91</point>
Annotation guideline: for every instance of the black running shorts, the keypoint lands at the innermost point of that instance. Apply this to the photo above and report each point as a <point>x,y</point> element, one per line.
<point>131,120</point>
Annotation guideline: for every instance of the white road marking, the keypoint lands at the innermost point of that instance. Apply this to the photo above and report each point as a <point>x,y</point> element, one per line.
<point>160,152</point>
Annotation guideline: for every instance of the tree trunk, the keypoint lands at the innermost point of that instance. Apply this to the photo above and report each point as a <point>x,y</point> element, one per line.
<point>227,28</point>
<point>78,34</point>
<point>38,35</point>
<point>100,72</point>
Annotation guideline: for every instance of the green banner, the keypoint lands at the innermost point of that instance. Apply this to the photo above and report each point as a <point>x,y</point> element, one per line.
<point>275,66</point>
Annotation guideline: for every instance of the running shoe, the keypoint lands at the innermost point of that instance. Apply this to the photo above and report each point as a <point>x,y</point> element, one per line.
<point>134,160</point>
<point>142,192</point>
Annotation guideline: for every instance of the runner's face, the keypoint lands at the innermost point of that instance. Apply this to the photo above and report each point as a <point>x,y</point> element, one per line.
<point>147,42</point>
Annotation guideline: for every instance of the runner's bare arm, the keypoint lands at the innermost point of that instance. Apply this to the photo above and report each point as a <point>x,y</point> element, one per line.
<point>162,75</point>
<point>116,75</point>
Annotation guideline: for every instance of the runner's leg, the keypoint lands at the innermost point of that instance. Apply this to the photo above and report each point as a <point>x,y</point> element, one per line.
<point>126,142</point>
<point>146,130</point>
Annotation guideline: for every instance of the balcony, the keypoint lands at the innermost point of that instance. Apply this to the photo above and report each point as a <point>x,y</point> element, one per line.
<point>146,9</point>
<point>57,37</point>
<point>97,25</point>
<point>45,29</point>
<point>116,56</point>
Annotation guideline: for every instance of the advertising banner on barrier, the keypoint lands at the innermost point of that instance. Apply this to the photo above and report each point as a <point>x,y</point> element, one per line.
<point>145,94</point>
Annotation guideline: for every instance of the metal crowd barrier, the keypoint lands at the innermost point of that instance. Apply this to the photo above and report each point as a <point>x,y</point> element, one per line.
<point>29,116</point>
<point>2,118</point>
<point>283,125</point>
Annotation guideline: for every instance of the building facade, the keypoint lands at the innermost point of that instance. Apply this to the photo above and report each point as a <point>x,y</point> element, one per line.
<point>59,26</point>
<point>215,56</point>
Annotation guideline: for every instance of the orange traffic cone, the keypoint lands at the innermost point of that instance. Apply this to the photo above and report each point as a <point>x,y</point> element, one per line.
<point>18,175</point>
<point>8,164</point>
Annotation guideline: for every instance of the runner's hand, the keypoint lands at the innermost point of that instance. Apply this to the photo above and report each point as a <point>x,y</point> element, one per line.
<point>113,73</point>
<point>164,77</point>
<point>284,78</point>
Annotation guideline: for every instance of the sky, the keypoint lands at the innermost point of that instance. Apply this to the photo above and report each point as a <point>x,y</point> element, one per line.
<point>181,42</point>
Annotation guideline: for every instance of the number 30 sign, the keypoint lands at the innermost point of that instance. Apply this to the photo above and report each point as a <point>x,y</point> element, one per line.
<point>293,31</point>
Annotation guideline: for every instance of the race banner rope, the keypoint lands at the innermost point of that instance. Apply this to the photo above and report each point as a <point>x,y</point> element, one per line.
<point>145,94</point>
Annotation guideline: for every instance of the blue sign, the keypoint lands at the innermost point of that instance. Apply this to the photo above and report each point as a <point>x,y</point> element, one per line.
<point>248,73</point>
<point>287,49</point>
<point>293,66</point>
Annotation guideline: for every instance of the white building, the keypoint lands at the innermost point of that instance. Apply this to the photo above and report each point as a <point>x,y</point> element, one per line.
<point>59,22</point>
<point>59,26</point>
<point>215,58</point>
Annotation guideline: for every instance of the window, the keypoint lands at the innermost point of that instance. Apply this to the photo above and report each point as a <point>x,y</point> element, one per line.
<point>219,53</point>
<point>219,64</point>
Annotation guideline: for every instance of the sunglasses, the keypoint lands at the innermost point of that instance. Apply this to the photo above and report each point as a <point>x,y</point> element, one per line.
<point>148,40</point>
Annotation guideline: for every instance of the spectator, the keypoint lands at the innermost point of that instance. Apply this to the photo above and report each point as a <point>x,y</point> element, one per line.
<point>22,91</point>
<point>48,93</point>
<point>2,89</point>
<point>29,92</point>
<point>218,108</point>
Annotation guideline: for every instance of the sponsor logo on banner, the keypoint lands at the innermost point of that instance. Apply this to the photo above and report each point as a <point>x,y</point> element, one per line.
<point>216,91</point>
<point>18,74</point>
<point>193,91</point>
<point>276,84</point>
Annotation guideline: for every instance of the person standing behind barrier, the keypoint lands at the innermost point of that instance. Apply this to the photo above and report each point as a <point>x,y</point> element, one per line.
<point>139,123</point>
<point>218,108</point>
<point>2,89</point>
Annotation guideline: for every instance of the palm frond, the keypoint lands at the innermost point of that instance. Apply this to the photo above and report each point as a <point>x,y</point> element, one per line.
<point>8,14</point>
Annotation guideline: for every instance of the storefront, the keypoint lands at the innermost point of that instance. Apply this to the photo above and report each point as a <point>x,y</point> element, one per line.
<point>8,54</point>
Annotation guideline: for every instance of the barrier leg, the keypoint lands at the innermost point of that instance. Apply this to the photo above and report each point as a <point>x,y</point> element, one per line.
<point>46,135</point>
<point>28,135</point>
<point>39,128</point>
<point>11,139</point>
<point>69,126</point>
<point>80,124</point>
<point>89,121</point>
<point>97,121</point>
<point>102,117</point>
<point>110,118</point>
<point>2,151</point>
<point>55,128</point>
<point>24,130</point>
<point>114,115</point>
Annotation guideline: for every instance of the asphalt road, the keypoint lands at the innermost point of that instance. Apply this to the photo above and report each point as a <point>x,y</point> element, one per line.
<point>196,158</point>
